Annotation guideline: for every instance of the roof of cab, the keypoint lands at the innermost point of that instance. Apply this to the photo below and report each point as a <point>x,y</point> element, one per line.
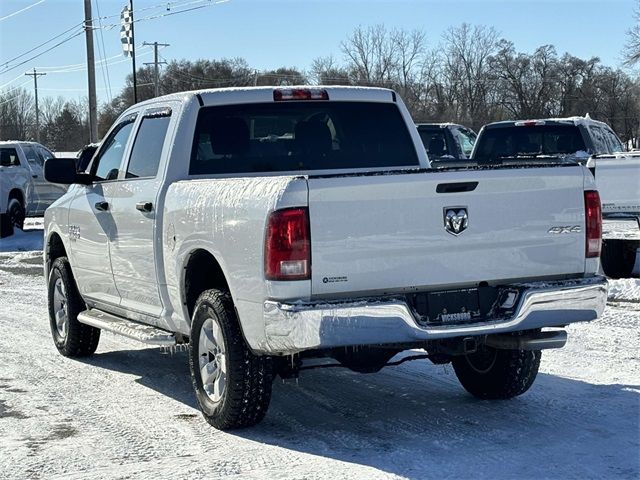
<point>213,96</point>
<point>575,120</point>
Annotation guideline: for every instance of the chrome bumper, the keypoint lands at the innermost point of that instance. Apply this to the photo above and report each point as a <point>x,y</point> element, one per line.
<point>291,328</point>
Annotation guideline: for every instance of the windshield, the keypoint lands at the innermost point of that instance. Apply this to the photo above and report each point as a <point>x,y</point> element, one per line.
<point>529,141</point>
<point>466,139</point>
<point>287,136</point>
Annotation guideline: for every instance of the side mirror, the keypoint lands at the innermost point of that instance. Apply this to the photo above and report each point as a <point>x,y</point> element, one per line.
<point>63,170</point>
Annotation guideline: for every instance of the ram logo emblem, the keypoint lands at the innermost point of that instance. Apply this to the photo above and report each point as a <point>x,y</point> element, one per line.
<point>456,219</point>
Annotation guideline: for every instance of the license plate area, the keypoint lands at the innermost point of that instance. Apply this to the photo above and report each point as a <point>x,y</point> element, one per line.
<point>454,306</point>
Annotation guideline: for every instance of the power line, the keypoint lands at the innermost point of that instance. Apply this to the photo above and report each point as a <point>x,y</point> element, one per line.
<point>103,65</point>
<point>209,3</point>
<point>42,53</point>
<point>40,45</point>
<point>22,10</point>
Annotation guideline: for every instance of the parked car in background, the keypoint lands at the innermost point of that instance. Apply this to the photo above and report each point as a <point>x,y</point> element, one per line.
<point>589,142</point>
<point>446,141</point>
<point>24,191</point>
<point>267,226</point>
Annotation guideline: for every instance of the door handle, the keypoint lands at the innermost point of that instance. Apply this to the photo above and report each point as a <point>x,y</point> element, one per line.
<point>145,207</point>
<point>102,206</point>
<point>34,176</point>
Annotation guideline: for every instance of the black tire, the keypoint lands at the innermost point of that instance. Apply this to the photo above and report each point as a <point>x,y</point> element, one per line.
<point>79,340</point>
<point>247,388</point>
<point>492,374</point>
<point>618,258</point>
<point>16,213</point>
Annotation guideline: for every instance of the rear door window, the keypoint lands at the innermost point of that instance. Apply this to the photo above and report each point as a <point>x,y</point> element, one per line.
<point>147,147</point>
<point>34,159</point>
<point>288,136</point>
<point>435,142</point>
<point>529,140</point>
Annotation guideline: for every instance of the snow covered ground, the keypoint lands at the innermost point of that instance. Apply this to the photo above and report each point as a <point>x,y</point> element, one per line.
<point>129,412</point>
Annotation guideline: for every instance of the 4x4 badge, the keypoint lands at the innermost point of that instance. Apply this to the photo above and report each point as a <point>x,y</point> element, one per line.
<point>456,219</point>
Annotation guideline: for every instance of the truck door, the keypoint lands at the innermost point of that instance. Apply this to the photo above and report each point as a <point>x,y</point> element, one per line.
<point>134,211</point>
<point>91,224</point>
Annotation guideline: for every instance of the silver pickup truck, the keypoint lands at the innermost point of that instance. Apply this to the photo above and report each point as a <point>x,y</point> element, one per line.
<point>266,226</point>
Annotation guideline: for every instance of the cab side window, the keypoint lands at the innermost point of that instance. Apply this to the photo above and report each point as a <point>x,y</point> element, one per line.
<point>615,144</point>
<point>107,164</point>
<point>599,140</point>
<point>147,147</point>
<point>9,157</point>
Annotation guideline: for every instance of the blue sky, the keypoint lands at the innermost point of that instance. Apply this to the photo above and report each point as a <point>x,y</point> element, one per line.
<point>269,34</point>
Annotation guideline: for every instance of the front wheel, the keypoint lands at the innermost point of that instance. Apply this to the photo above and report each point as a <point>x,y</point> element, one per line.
<point>72,338</point>
<point>232,385</point>
<point>492,374</point>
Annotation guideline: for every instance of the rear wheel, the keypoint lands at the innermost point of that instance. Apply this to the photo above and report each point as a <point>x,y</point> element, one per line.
<point>493,374</point>
<point>618,258</point>
<point>71,338</point>
<point>16,213</point>
<point>232,385</point>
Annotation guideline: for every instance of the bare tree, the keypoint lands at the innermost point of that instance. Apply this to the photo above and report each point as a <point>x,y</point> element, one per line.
<point>17,115</point>
<point>371,55</point>
<point>326,71</point>
<point>632,47</point>
<point>467,51</point>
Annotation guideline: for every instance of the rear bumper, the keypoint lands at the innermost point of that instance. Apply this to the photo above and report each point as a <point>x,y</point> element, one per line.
<point>291,328</point>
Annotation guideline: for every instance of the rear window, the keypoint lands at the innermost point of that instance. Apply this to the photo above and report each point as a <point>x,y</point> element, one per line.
<point>505,142</point>
<point>435,143</point>
<point>286,136</point>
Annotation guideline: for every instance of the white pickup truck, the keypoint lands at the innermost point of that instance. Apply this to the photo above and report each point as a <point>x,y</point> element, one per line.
<point>267,226</point>
<point>587,141</point>
<point>23,189</point>
<point>618,179</point>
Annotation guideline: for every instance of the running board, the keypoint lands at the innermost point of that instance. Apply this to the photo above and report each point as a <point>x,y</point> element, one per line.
<point>127,328</point>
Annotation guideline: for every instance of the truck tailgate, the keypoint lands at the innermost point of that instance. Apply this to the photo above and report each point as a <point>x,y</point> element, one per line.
<point>386,233</point>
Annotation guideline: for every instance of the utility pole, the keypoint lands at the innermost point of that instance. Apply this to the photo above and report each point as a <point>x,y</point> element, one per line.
<point>155,63</point>
<point>91,72</point>
<point>35,76</point>
<point>133,55</point>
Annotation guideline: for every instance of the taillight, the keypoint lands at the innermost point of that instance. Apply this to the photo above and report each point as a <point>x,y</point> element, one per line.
<point>593,220</point>
<point>284,94</point>
<point>287,252</point>
<point>530,123</point>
